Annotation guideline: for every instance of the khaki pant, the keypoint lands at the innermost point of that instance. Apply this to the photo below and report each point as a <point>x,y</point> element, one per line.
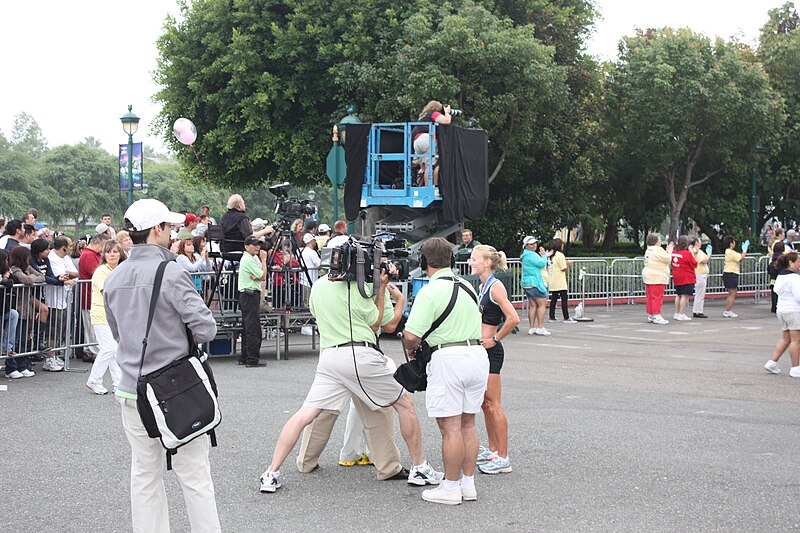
<point>378,426</point>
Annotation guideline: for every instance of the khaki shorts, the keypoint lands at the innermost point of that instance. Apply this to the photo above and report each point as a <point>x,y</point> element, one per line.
<point>336,379</point>
<point>457,379</point>
<point>789,320</point>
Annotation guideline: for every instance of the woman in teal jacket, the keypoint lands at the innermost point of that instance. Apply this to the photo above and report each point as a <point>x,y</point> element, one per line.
<point>533,284</point>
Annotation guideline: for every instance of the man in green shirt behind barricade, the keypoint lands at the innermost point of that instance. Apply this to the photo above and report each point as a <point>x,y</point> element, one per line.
<point>457,372</point>
<point>351,363</point>
<point>252,270</point>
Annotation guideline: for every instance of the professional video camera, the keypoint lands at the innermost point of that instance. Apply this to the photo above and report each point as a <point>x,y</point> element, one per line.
<point>397,253</point>
<point>290,208</point>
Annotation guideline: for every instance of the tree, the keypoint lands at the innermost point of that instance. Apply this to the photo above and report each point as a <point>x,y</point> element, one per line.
<point>692,111</point>
<point>26,136</point>
<point>20,186</point>
<point>80,181</point>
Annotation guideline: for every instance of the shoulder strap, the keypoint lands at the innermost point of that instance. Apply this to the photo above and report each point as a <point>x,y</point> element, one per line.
<point>445,313</point>
<point>153,299</point>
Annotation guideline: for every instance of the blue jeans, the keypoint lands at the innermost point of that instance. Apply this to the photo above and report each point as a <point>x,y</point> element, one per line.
<point>10,320</point>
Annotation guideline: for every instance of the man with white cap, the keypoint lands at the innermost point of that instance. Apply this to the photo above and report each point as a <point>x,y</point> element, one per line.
<point>323,234</point>
<point>312,262</point>
<point>127,293</point>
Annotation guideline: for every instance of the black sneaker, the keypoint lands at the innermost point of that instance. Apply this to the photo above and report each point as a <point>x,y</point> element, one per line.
<point>255,365</point>
<point>699,315</point>
<point>401,475</point>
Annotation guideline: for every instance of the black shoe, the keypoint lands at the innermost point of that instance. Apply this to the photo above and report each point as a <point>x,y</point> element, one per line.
<point>699,315</point>
<point>255,365</point>
<point>402,475</point>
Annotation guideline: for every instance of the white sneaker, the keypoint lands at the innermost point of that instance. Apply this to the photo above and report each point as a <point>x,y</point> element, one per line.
<point>729,314</point>
<point>28,373</point>
<point>442,495</point>
<point>96,388</point>
<point>269,482</point>
<point>50,365</point>
<point>676,316</point>
<point>570,321</point>
<point>681,318</point>
<point>772,367</point>
<point>686,317</point>
<point>660,320</point>
<point>795,372</point>
<point>14,375</point>
<point>469,494</point>
<point>532,331</point>
<point>544,332</point>
<point>425,475</point>
<point>649,319</point>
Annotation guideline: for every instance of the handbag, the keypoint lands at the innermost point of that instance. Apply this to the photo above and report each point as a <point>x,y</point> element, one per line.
<point>413,374</point>
<point>178,402</point>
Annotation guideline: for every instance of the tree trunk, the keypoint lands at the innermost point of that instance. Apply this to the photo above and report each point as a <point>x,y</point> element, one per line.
<point>588,235</point>
<point>712,235</point>
<point>610,234</point>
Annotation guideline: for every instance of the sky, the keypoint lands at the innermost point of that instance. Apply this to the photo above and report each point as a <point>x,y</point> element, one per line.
<point>75,66</point>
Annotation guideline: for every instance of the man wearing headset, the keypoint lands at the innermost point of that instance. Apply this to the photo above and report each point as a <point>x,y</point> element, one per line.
<point>457,372</point>
<point>347,325</point>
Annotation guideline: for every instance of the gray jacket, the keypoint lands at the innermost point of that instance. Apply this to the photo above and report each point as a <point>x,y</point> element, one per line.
<point>127,293</point>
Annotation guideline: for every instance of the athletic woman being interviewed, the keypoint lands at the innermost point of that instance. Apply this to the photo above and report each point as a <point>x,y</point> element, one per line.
<point>496,310</point>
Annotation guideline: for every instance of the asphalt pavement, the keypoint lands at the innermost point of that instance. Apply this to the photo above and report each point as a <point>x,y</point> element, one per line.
<point>615,425</point>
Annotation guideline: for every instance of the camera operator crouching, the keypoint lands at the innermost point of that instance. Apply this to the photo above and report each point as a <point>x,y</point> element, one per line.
<point>351,363</point>
<point>457,372</point>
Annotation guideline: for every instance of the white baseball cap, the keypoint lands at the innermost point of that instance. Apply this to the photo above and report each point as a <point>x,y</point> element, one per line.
<point>324,228</point>
<point>101,228</point>
<point>307,238</point>
<point>529,240</point>
<point>148,212</point>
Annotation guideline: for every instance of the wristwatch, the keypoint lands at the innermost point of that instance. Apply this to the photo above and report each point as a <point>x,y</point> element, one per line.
<point>494,338</point>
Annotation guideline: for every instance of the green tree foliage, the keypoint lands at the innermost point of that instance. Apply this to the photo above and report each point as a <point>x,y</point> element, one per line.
<point>779,51</point>
<point>20,187</point>
<point>79,182</point>
<point>690,112</point>
<point>26,136</point>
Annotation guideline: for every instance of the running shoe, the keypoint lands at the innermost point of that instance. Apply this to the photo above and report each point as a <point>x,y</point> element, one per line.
<point>497,465</point>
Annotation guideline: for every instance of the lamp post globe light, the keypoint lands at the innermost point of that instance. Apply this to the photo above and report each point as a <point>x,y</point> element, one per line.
<point>130,123</point>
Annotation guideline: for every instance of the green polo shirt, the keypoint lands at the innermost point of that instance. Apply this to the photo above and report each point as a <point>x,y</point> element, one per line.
<point>464,321</point>
<point>329,305</point>
<point>250,264</point>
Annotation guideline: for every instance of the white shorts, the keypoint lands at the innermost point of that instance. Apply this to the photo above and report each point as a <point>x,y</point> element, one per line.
<point>457,379</point>
<point>789,320</point>
<point>336,380</point>
<point>422,145</point>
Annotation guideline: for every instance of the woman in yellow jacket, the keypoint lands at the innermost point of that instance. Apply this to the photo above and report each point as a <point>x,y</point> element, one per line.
<point>655,275</point>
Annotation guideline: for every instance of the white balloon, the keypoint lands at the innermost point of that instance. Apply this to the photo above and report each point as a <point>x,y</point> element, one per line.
<point>185,131</point>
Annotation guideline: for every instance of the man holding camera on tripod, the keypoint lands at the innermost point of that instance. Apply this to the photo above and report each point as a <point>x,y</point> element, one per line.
<point>457,372</point>
<point>351,363</point>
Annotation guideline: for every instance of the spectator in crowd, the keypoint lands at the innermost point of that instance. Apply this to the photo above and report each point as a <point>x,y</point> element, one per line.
<point>193,261</point>
<point>777,236</point>
<point>236,225</point>
<point>124,240</point>
<point>558,282</point>
<point>14,368</point>
<point>31,217</point>
<point>202,227</point>
<point>106,219</point>
<point>252,270</point>
<point>297,228</point>
<point>684,277</point>
<point>312,262</point>
<point>191,222</point>
<point>789,245</point>
<point>339,228</point>
<point>106,358</point>
<point>787,286</point>
<point>12,235</point>
<point>701,276</point>
<point>55,295</point>
<point>534,259</point>
<point>283,265</point>
<point>2,225</point>
<point>104,228</point>
<point>773,271</point>
<point>23,272</point>
<point>88,263</point>
<point>205,211</point>
<point>76,251</point>
<point>730,273</point>
<point>464,249</point>
<point>40,252</point>
<point>28,236</point>
<point>655,276</point>
<point>498,320</point>
<point>311,226</point>
<point>323,235</point>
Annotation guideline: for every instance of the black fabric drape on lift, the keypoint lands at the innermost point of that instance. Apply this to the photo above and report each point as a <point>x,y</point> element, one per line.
<point>463,173</point>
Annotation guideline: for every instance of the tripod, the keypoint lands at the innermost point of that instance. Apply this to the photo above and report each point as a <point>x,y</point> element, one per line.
<point>286,293</point>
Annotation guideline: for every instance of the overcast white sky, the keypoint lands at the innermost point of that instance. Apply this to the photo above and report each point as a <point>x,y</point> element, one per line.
<point>75,66</point>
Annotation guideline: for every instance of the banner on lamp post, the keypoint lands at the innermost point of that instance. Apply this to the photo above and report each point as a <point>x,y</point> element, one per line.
<point>137,167</point>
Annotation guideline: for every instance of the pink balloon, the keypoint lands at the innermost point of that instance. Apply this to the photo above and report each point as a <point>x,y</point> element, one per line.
<point>185,131</point>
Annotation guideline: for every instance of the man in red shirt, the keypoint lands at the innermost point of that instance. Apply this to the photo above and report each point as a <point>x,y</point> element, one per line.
<point>89,261</point>
<point>683,276</point>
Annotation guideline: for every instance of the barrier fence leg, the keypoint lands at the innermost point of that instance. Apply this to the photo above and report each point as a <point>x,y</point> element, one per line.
<point>583,317</point>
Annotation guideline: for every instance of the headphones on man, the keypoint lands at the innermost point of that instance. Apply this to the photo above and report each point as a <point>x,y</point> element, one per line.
<point>423,262</point>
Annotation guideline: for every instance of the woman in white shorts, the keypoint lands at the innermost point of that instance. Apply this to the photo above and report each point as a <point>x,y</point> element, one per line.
<point>787,287</point>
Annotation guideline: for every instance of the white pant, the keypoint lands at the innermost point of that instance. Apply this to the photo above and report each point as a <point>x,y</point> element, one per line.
<point>699,293</point>
<point>148,497</point>
<point>355,441</point>
<point>88,333</point>
<point>106,359</point>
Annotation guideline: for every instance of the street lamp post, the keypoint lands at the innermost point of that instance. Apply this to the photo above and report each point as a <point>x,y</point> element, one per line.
<point>130,123</point>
